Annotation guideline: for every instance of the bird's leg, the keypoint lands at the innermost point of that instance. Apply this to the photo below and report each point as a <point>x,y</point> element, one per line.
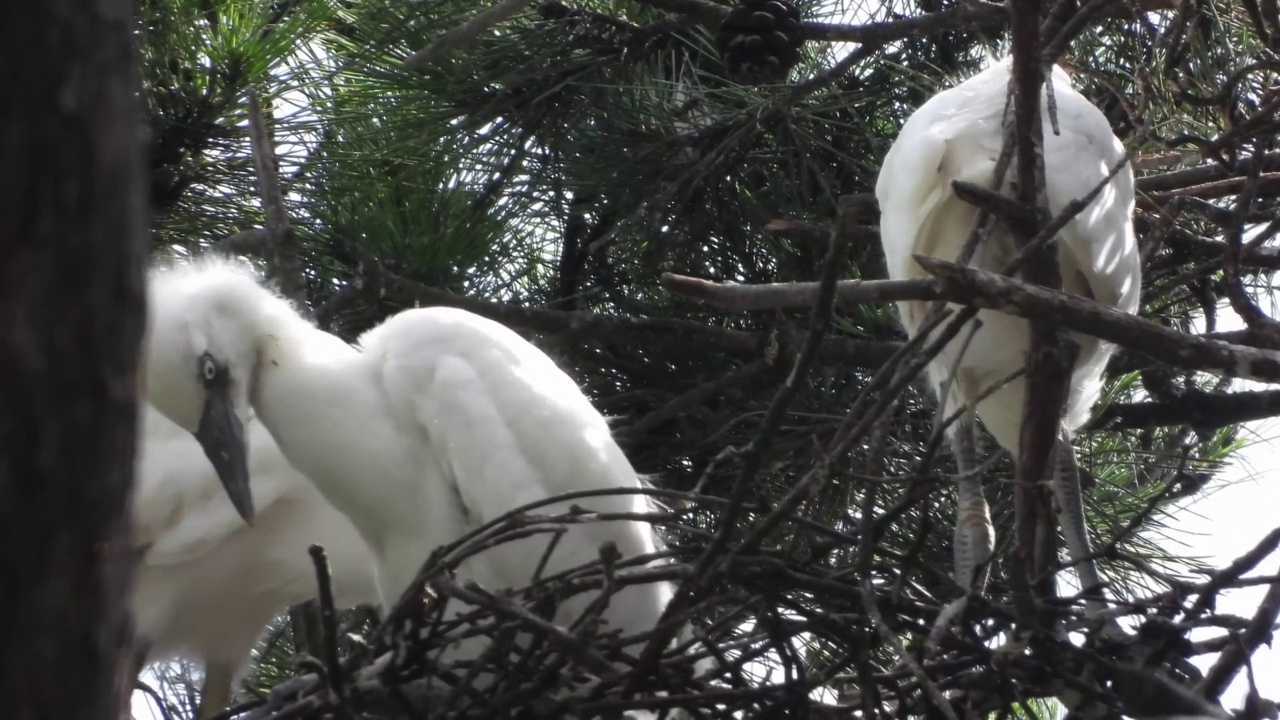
<point>1069,507</point>
<point>215,696</point>
<point>974,538</point>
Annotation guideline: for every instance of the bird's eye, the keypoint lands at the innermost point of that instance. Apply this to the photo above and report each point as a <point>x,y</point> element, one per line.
<point>208,368</point>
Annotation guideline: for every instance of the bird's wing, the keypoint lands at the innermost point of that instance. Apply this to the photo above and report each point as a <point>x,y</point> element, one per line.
<point>505,424</point>
<point>1101,237</point>
<point>907,190</point>
<point>955,135</point>
<point>180,508</point>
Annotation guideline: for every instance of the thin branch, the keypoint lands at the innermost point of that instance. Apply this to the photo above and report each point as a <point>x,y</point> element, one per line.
<point>732,297</point>
<point>752,457</point>
<point>1164,345</point>
<point>1200,409</point>
<point>284,263</point>
<point>692,398</point>
<point>1247,643</point>
<point>329,625</point>
<point>466,33</point>
<point>974,15</point>
<point>964,285</point>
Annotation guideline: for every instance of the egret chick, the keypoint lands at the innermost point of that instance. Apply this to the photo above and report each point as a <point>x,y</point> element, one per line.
<point>207,583</point>
<point>442,422</point>
<point>957,135</point>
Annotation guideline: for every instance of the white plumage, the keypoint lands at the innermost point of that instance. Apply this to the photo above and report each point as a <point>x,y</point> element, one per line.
<point>208,583</point>
<point>441,422</point>
<point>957,135</point>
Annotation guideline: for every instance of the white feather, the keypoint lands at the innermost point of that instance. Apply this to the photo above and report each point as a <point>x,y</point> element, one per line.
<point>208,583</point>
<point>957,135</point>
<point>442,422</point>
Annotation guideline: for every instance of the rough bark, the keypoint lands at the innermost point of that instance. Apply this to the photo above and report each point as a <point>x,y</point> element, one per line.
<point>72,302</point>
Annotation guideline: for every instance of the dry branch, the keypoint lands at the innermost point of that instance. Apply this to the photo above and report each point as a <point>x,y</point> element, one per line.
<point>378,282</point>
<point>465,33</point>
<point>970,16</point>
<point>735,629</point>
<point>1204,411</point>
<point>284,252</point>
<point>732,297</point>
<point>988,290</point>
<point>968,286</point>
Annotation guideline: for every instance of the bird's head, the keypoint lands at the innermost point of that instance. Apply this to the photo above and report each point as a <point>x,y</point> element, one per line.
<point>203,347</point>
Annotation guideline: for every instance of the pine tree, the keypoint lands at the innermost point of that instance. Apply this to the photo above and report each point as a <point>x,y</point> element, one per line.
<point>546,171</point>
<point>72,252</point>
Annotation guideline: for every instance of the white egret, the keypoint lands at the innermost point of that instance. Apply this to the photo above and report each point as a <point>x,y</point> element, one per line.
<point>207,583</point>
<point>957,135</point>
<point>442,421</point>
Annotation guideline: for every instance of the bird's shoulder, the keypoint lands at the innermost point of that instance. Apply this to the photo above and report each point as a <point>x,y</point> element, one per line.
<point>954,136</point>
<point>485,397</point>
<point>423,343</point>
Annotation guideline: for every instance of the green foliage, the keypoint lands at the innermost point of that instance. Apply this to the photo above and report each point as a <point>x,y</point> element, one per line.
<point>565,164</point>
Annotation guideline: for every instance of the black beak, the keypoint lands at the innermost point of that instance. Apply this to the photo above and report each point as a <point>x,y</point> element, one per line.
<point>221,434</point>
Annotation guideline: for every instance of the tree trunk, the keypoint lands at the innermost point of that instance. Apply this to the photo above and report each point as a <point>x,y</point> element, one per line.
<point>72,304</point>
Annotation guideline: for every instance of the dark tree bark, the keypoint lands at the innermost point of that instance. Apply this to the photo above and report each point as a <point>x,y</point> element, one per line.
<point>72,303</point>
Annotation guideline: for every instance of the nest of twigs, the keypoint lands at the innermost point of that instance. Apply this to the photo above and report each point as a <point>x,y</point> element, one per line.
<point>758,647</point>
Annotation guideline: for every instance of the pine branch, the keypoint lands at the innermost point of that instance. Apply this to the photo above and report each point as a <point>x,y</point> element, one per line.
<point>1208,174</point>
<point>732,297</point>
<point>691,399</point>
<point>1203,249</point>
<point>751,458</point>
<point>466,33</point>
<point>1197,408</point>
<point>1047,364</point>
<point>284,260</point>
<point>969,286</point>
<point>1163,345</point>
<point>971,16</point>
<point>1237,654</point>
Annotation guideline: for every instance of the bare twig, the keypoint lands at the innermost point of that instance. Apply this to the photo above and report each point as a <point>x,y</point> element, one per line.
<point>971,15</point>
<point>329,626</point>
<point>284,262</point>
<point>465,33</point>
<point>988,290</point>
<point>1198,408</point>
<point>1235,655</point>
<point>753,455</point>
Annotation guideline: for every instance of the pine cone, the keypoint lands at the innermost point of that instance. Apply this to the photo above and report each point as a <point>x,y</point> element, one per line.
<point>760,41</point>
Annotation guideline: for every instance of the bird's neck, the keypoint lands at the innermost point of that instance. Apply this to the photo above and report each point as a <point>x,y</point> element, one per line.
<point>305,391</point>
<point>318,398</point>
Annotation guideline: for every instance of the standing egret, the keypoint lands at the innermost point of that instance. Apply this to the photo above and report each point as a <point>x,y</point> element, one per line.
<point>208,583</point>
<point>441,422</point>
<point>957,135</point>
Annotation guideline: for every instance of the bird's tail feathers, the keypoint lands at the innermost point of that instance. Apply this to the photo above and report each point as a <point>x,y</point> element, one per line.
<point>1087,385</point>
